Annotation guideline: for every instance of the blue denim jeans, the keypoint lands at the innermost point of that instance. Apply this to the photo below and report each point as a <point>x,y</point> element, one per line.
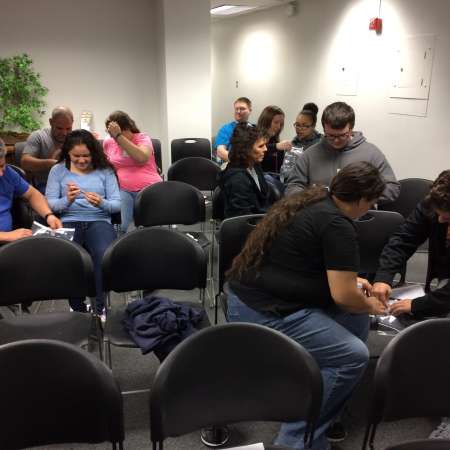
<point>335,339</point>
<point>127,199</point>
<point>95,237</point>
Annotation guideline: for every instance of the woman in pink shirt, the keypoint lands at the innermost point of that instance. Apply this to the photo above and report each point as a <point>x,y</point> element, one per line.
<point>131,154</point>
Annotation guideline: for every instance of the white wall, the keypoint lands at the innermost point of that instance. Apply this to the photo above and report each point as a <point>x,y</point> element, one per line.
<point>96,55</point>
<point>287,61</point>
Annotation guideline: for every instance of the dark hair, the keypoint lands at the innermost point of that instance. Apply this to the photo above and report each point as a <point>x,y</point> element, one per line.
<point>124,120</point>
<point>439,195</point>
<point>266,117</point>
<point>242,140</point>
<point>80,137</point>
<point>245,100</point>
<point>338,115</point>
<point>310,110</point>
<point>353,183</point>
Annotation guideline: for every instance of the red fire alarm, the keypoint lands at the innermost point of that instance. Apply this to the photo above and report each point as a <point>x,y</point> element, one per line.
<point>376,24</point>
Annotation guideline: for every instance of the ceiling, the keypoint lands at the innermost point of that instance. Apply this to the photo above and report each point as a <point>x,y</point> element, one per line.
<point>259,4</point>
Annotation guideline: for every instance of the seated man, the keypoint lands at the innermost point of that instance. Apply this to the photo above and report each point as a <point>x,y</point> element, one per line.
<point>12,185</point>
<point>430,220</point>
<point>339,146</point>
<point>242,110</point>
<point>43,146</point>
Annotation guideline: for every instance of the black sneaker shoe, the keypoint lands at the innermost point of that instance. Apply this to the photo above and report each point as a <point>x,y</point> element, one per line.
<point>214,436</point>
<point>336,432</point>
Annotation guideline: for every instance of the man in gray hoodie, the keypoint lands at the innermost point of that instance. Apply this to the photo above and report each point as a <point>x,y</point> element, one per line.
<point>339,146</point>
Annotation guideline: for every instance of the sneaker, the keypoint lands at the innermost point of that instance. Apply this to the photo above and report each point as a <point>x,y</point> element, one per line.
<point>336,432</point>
<point>214,436</point>
<point>442,431</point>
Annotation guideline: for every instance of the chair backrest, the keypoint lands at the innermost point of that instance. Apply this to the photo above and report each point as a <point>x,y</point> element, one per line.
<point>411,377</point>
<point>233,233</point>
<point>18,150</point>
<point>374,231</point>
<point>42,268</point>
<point>18,170</point>
<point>199,172</point>
<point>218,204</point>
<point>53,393</point>
<point>158,153</point>
<point>232,377</point>
<point>412,191</point>
<point>154,258</point>
<point>168,203</point>
<point>185,147</point>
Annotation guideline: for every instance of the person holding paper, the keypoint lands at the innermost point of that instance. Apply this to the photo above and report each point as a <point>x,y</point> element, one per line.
<point>13,185</point>
<point>83,188</point>
<point>297,273</point>
<point>430,220</point>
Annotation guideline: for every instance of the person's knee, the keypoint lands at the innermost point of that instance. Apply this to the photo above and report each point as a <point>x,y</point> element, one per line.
<point>359,353</point>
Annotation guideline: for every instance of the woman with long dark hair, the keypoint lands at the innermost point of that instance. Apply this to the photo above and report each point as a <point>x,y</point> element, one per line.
<point>297,273</point>
<point>131,153</point>
<point>244,188</point>
<point>271,121</point>
<point>83,189</point>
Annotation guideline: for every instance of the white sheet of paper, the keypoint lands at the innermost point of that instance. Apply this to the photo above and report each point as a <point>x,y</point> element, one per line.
<point>259,446</point>
<point>411,291</point>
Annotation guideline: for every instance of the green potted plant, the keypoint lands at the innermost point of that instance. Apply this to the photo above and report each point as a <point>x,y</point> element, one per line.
<point>21,98</point>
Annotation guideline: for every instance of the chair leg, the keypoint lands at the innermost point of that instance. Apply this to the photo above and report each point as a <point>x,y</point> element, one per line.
<point>107,351</point>
<point>98,326</point>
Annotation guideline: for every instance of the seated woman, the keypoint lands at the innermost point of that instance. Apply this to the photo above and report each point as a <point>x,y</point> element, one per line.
<point>305,127</point>
<point>297,273</point>
<point>83,189</point>
<point>271,121</point>
<point>131,153</point>
<point>244,188</point>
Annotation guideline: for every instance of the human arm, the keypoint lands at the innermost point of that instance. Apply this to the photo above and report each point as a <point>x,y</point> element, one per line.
<point>222,152</point>
<point>10,236</point>
<point>402,245</point>
<point>240,196</point>
<point>298,178</point>
<point>39,203</point>
<point>57,199</point>
<point>139,153</point>
<point>111,201</point>
<point>346,294</point>
<point>31,161</point>
<point>283,146</point>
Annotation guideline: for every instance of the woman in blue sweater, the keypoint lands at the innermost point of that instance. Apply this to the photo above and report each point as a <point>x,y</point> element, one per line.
<point>83,189</point>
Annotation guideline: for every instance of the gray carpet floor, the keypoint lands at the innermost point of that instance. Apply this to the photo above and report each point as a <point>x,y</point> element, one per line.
<point>135,371</point>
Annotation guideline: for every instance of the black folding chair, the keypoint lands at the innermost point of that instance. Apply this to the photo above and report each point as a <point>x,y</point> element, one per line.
<point>412,191</point>
<point>46,268</point>
<point>237,372</point>
<point>374,231</point>
<point>158,154</point>
<point>150,259</point>
<point>54,393</point>
<point>185,147</point>
<point>233,233</point>
<point>411,380</point>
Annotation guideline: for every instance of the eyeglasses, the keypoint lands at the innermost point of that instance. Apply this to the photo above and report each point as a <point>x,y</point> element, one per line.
<point>301,127</point>
<point>333,137</point>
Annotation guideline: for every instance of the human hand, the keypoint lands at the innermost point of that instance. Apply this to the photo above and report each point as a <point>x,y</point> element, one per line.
<point>114,129</point>
<point>365,286</point>
<point>72,192</point>
<point>19,234</point>
<point>53,222</point>
<point>93,198</point>
<point>284,145</point>
<point>377,307</point>
<point>381,291</point>
<point>400,307</point>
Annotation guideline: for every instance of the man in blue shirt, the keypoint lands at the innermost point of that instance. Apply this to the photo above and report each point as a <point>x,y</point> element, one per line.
<point>13,185</point>
<point>242,110</point>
